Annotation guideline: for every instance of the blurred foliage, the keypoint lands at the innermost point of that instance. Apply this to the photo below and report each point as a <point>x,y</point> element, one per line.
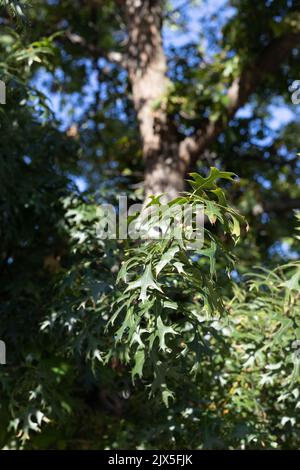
<point>117,344</point>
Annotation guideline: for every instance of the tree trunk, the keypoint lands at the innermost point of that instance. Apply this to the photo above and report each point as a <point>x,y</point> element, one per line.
<point>147,67</point>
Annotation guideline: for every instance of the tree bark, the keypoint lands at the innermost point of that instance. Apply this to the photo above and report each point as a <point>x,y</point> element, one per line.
<point>147,67</point>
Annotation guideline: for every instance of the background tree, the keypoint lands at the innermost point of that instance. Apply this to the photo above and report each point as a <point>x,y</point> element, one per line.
<point>134,110</point>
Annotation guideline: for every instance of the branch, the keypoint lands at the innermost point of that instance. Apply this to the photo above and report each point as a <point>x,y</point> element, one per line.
<point>268,62</point>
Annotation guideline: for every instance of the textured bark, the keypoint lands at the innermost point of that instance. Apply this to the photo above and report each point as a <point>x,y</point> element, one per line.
<point>147,67</point>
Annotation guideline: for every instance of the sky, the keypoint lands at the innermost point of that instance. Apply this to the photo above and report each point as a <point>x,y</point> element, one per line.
<point>197,16</point>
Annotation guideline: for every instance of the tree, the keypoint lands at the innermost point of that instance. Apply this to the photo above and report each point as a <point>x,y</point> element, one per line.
<point>195,110</point>
<point>103,335</point>
<point>168,155</point>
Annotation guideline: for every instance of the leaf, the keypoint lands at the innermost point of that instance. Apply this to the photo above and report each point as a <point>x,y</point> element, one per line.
<point>211,254</point>
<point>136,337</point>
<point>286,324</point>
<point>293,282</point>
<point>212,211</point>
<point>145,282</point>
<point>221,196</point>
<point>126,265</point>
<point>179,266</point>
<point>170,304</point>
<point>199,182</point>
<point>162,331</point>
<point>236,229</point>
<point>166,396</point>
<point>160,383</point>
<point>295,376</point>
<point>166,258</point>
<point>139,358</point>
<point>128,322</point>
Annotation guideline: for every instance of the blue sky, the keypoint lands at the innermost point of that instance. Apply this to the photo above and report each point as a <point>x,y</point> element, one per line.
<point>198,16</point>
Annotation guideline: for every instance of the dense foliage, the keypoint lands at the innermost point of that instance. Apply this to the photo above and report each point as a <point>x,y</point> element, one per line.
<point>149,343</point>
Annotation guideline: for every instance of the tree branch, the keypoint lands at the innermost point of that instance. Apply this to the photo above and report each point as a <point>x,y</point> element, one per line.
<point>268,62</point>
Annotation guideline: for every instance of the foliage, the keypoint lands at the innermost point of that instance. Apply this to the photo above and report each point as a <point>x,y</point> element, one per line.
<point>151,312</point>
<point>104,336</point>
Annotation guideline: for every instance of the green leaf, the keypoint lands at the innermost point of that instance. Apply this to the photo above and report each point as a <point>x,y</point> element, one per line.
<point>139,358</point>
<point>180,267</point>
<point>200,183</point>
<point>166,258</point>
<point>236,229</point>
<point>170,304</point>
<point>162,331</point>
<point>211,254</point>
<point>145,282</point>
<point>293,282</point>
<point>221,196</point>
<point>167,395</point>
<point>212,211</point>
